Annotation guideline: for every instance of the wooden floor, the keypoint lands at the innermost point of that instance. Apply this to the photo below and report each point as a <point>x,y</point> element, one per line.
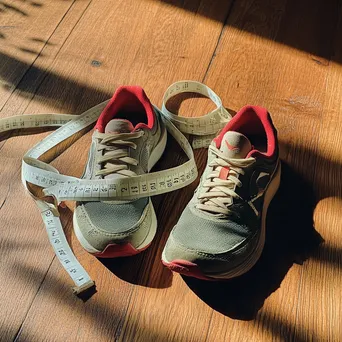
<point>286,55</point>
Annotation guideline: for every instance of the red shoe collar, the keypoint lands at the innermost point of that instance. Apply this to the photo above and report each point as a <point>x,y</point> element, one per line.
<point>252,120</point>
<point>128,98</point>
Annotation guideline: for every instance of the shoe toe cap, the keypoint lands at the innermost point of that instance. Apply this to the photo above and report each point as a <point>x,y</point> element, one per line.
<point>213,245</point>
<point>105,223</point>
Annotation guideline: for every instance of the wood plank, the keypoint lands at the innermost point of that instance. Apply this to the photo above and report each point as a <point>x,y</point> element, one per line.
<point>144,320</point>
<point>138,48</point>
<point>20,98</point>
<point>301,89</point>
<point>256,69</point>
<point>320,291</point>
<point>25,28</point>
<point>23,240</point>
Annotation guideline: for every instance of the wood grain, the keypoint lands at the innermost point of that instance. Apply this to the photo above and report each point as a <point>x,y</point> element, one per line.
<point>73,83</point>
<point>25,29</point>
<point>283,55</point>
<point>320,306</point>
<point>23,239</point>
<point>293,86</point>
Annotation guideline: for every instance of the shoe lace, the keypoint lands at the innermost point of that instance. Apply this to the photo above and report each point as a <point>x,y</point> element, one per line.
<point>114,151</point>
<point>219,193</point>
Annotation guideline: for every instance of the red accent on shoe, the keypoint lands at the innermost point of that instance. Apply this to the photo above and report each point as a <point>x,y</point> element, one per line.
<point>231,147</point>
<point>116,251</point>
<point>186,268</point>
<point>224,172</point>
<point>248,121</point>
<point>130,99</point>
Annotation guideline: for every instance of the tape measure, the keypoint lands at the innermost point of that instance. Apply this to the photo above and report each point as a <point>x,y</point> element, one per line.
<point>62,187</point>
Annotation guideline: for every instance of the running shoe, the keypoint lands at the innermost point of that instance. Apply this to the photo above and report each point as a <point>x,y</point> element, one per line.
<point>221,232</point>
<point>129,138</point>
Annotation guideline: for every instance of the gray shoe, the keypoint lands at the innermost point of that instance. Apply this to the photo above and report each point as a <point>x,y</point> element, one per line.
<point>221,232</point>
<point>128,140</point>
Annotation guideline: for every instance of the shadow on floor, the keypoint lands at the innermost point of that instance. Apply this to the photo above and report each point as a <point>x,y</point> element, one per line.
<point>64,94</point>
<point>290,238</point>
<point>290,234</point>
<point>129,269</point>
<point>103,312</point>
<point>307,25</point>
<point>108,317</point>
<point>292,221</point>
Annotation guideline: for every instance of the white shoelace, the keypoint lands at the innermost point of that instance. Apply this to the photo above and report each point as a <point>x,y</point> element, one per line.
<point>219,192</point>
<point>114,156</point>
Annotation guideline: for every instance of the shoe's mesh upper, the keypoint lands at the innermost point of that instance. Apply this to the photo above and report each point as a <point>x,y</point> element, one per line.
<point>144,155</point>
<point>206,235</point>
<point>115,218</point>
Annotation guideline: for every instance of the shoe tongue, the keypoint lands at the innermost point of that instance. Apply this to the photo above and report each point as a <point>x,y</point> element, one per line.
<point>235,145</point>
<point>119,126</point>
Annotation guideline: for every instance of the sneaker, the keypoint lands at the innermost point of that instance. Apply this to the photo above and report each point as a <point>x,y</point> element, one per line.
<point>221,232</point>
<point>128,140</point>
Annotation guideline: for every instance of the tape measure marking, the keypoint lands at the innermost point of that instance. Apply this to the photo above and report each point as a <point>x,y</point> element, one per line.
<point>63,187</point>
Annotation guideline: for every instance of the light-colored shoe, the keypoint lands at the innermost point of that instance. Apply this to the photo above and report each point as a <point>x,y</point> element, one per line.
<point>128,140</point>
<point>221,232</point>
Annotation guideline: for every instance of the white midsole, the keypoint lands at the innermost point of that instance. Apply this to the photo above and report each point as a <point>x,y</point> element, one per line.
<point>154,157</point>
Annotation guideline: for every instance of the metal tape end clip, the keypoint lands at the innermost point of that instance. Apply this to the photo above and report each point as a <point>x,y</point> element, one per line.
<point>85,291</point>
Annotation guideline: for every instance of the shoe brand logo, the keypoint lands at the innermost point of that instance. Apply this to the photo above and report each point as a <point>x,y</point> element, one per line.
<point>231,147</point>
<point>261,183</point>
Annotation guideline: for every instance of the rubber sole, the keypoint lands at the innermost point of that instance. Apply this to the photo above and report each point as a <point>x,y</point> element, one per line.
<point>186,268</point>
<point>127,249</point>
<point>193,270</point>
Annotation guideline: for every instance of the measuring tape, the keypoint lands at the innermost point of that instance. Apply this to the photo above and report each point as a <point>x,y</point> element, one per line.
<point>203,128</point>
<point>60,187</point>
